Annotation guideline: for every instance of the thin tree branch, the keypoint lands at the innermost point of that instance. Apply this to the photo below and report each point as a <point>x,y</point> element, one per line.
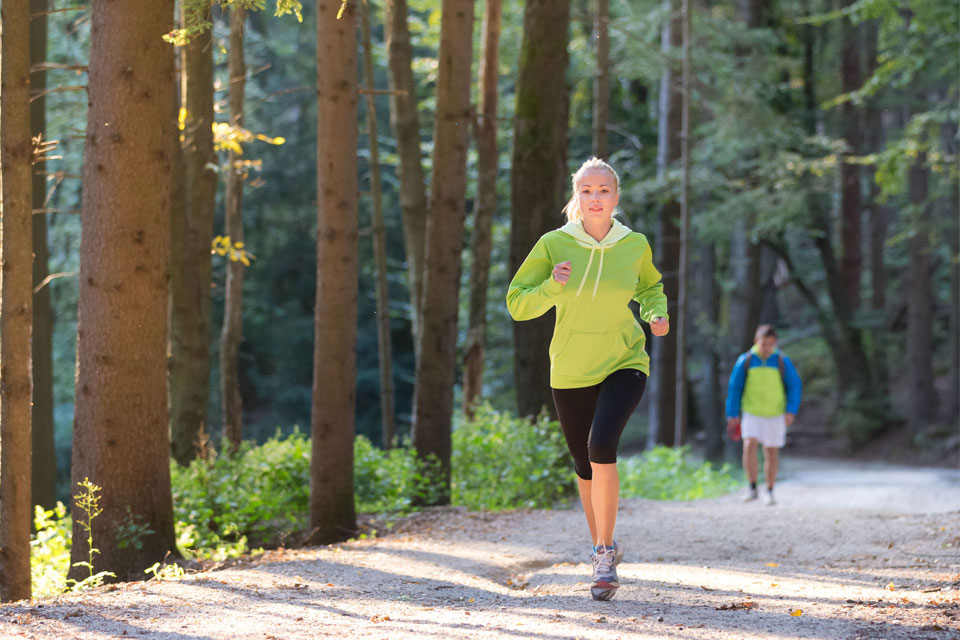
<point>38,14</point>
<point>40,94</point>
<point>53,276</point>
<point>70,211</point>
<point>52,66</point>
<point>380,92</point>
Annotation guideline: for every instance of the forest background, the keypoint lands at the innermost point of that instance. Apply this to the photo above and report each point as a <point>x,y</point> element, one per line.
<point>820,193</point>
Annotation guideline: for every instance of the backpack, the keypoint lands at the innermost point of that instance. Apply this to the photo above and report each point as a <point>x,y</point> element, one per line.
<point>780,366</point>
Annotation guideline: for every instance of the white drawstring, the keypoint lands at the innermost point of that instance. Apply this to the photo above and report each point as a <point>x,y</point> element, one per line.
<point>599,271</point>
<point>587,272</point>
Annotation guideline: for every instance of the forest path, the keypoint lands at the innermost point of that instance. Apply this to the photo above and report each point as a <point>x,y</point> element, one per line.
<point>861,550</point>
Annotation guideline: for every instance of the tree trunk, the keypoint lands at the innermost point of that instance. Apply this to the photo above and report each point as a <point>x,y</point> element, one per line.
<point>663,365</point>
<point>486,204</point>
<point>44,457</point>
<point>537,183</point>
<point>680,382</point>
<point>922,399</point>
<point>190,260</point>
<point>387,413</point>
<point>850,200</point>
<point>406,129</point>
<point>16,299</point>
<point>121,438</point>
<point>433,394</point>
<point>601,81</point>
<point>878,217</point>
<point>711,406</point>
<point>231,333</point>
<point>332,420</point>
<point>949,206</point>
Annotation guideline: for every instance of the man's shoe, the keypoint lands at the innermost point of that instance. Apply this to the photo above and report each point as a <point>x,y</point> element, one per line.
<point>750,495</point>
<point>768,499</point>
<point>605,582</point>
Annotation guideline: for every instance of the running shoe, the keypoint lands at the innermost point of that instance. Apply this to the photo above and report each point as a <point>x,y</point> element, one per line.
<point>768,499</point>
<point>750,495</point>
<point>605,582</point>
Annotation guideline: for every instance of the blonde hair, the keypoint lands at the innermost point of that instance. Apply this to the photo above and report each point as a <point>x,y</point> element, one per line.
<point>572,208</point>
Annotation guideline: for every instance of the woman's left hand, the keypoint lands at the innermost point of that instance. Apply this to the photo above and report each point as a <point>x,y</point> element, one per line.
<point>660,326</point>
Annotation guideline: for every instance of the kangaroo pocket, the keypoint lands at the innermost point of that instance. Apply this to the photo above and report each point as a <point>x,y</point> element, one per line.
<point>589,354</point>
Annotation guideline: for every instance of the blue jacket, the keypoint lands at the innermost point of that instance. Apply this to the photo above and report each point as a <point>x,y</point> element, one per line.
<point>756,386</point>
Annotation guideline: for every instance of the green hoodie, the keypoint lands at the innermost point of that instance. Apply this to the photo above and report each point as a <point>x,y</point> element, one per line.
<point>596,332</point>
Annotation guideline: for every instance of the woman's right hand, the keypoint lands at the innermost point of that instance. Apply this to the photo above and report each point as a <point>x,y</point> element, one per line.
<point>561,272</point>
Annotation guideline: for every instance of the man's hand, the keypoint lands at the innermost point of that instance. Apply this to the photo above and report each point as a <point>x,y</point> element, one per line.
<point>733,428</point>
<point>660,326</point>
<point>789,418</point>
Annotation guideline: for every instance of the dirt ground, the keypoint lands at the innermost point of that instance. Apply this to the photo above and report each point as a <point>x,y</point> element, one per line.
<point>851,551</point>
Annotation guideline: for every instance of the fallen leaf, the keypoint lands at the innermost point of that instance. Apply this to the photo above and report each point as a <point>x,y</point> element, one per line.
<point>601,619</point>
<point>774,584</point>
<point>472,600</point>
<point>706,588</point>
<point>772,564</point>
<point>796,612</point>
<point>379,618</point>
<point>891,587</point>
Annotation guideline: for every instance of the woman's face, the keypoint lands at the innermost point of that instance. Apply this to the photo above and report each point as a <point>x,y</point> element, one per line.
<point>597,195</point>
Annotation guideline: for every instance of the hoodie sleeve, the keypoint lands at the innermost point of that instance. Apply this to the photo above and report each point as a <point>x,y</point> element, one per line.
<point>792,385</point>
<point>738,378</point>
<point>649,294</point>
<point>533,290</point>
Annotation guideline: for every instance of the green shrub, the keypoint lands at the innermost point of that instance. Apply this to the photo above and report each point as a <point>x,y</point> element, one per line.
<point>501,462</point>
<point>50,550</point>
<point>666,473</point>
<point>260,494</point>
<point>389,481</point>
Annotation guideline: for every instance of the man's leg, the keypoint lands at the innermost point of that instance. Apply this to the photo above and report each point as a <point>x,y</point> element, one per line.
<point>750,464</point>
<point>771,463</point>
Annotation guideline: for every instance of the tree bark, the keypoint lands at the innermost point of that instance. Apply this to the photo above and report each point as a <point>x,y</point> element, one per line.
<point>878,216</point>
<point>537,182</point>
<point>16,300</point>
<point>44,458</point>
<point>121,438</point>
<point>387,413</point>
<point>949,206</point>
<point>922,398</point>
<point>485,206</point>
<point>663,365</point>
<point>332,421</point>
<point>433,395</point>
<point>712,407</point>
<point>681,322</point>
<point>850,199</point>
<point>231,333</point>
<point>601,80</point>
<point>406,128</point>
<point>190,259</point>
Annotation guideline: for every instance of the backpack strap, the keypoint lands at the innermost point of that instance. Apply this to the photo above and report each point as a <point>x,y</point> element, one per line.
<point>782,367</point>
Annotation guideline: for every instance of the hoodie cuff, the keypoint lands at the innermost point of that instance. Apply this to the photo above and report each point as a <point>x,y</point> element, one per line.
<point>551,287</point>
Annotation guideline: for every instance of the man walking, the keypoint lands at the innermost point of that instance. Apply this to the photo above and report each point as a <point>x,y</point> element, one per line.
<point>763,397</point>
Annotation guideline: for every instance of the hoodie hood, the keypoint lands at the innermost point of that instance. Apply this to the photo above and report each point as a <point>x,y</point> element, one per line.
<point>618,231</point>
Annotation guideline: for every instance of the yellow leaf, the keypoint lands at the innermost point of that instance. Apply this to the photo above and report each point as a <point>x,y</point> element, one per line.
<point>891,587</point>
<point>796,612</point>
<point>772,564</point>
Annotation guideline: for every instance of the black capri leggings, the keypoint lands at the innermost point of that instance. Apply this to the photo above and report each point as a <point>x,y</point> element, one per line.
<point>593,418</point>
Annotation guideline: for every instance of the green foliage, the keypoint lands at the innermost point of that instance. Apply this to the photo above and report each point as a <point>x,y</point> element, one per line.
<point>501,462</point>
<point>132,530</point>
<point>393,481</point>
<point>50,550</point>
<point>666,473</point>
<point>260,494</point>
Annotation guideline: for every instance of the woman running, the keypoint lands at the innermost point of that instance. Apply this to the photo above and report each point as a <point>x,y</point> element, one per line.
<point>600,276</point>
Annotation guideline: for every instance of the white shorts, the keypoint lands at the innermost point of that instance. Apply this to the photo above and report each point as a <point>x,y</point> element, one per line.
<point>771,432</point>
